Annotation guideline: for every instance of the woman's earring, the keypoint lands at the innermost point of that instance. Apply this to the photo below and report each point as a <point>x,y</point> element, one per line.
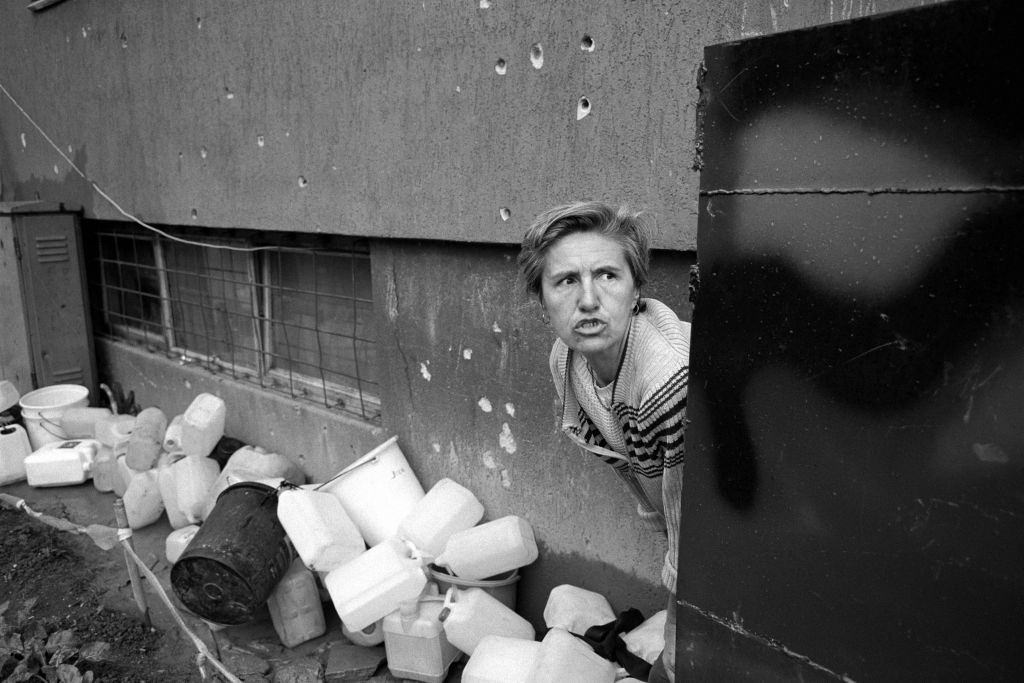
<point>636,307</point>
<point>544,318</point>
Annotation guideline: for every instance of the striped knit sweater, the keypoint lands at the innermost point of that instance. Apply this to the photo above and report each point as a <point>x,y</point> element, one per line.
<point>649,405</point>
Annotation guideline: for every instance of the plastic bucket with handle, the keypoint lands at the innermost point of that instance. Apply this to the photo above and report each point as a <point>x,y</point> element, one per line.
<point>42,409</point>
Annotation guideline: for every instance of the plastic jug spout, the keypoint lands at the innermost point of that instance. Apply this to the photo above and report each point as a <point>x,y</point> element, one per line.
<point>409,609</point>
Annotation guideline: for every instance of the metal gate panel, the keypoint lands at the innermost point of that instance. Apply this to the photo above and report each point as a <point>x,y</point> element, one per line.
<point>854,490</point>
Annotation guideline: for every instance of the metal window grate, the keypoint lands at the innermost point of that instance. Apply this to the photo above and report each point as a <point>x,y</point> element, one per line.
<point>294,320</point>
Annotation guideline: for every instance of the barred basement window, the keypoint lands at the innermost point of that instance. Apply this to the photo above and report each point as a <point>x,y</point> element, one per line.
<point>296,319</point>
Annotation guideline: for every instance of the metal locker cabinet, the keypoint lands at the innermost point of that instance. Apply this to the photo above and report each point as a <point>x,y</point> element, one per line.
<point>53,301</point>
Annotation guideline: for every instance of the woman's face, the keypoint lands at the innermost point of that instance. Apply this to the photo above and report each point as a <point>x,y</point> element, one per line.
<point>587,290</point>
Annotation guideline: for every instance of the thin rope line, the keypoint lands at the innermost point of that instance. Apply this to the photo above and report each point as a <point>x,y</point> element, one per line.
<point>117,206</point>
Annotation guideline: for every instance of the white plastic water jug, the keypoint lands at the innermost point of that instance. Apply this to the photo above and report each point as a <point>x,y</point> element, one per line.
<point>61,463</point>
<point>374,584</point>
<point>295,608</point>
<point>146,439</point>
<point>104,469</point>
<point>564,657</point>
<point>202,424</point>
<point>499,659</point>
<point>194,476</point>
<point>447,508</point>
<point>378,490</point>
<point>165,479</point>
<point>319,528</point>
<point>415,643</point>
<point>178,540</point>
<point>368,636</point>
<point>80,423</point>
<point>114,431</point>
<point>14,448</point>
<point>469,614</point>
<point>576,609</point>
<point>647,640</point>
<point>143,504</point>
<point>490,548</point>
<point>172,435</point>
<point>123,476</point>
<point>253,463</point>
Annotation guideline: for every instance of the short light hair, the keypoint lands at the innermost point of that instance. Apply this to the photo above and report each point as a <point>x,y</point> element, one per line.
<point>628,228</point>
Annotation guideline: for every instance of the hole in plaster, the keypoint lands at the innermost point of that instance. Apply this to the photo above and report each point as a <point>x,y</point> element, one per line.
<point>485,4</point>
<point>195,214</point>
<point>56,170</point>
<point>302,181</point>
<point>587,44</point>
<point>124,40</point>
<point>228,95</point>
<point>24,141</point>
<point>504,213</point>
<point>260,141</point>
<point>537,55</point>
<point>582,108</point>
<point>500,67</point>
<point>203,152</point>
<point>199,22</point>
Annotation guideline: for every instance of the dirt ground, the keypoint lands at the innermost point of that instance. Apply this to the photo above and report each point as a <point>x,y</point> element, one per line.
<point>61,589</point>
<point>52,582</point>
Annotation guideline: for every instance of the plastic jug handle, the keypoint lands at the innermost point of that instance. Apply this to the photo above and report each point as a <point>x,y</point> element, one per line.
<point>449,598</point>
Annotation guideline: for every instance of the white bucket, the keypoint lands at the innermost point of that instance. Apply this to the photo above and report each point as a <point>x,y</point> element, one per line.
<point>378,491</point>
<point>42,410</point>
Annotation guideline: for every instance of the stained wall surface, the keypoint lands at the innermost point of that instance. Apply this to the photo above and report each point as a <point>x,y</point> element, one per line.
<point>437,129</point>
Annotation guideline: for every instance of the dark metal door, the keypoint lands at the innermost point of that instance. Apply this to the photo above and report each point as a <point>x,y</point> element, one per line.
<point>854,497</point>
<point>57,316</point>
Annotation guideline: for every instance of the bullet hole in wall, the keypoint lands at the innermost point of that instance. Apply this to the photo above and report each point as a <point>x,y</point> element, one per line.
<point>203,152</point>
<point>195,214</point>
<point>302,181</point>
<point>124,40</point>
<point>500,67</point>
<point>504,213</point>
<point>537,55</point>
<point>582,107</point>
<point>260,141</point>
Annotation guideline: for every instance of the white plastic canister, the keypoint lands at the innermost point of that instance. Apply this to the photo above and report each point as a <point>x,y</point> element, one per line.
<point>143,504</point>
<point>374,584</point>
<point>14,448</point>
<point>165,476</point>
<point>367,637</point>
<point>378,490</point>
<point>147,438</point>
<point>576,609</point>
<point>295,608</point>
<point>319,528</point>
<point>61,463</point>
<point>41,411</point>
<point>470,614</point>
<point>80,423</point>
<point>178,540</point>
<point>447,508</point>
<point>564,657</point>
<point>194,476</point>
<point>202,424</point>
<point>499,659</point>
<point>415,643</point>
<point>490,548</point>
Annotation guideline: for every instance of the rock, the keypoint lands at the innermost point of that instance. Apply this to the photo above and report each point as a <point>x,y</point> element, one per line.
<point>304,670</point>
<point>242,663</point>
<point>347,662</point>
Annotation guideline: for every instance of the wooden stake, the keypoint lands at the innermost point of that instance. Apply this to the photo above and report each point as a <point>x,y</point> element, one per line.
<point>133,571</point>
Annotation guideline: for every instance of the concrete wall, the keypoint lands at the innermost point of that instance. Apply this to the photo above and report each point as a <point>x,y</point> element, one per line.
<point>391,120</point>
